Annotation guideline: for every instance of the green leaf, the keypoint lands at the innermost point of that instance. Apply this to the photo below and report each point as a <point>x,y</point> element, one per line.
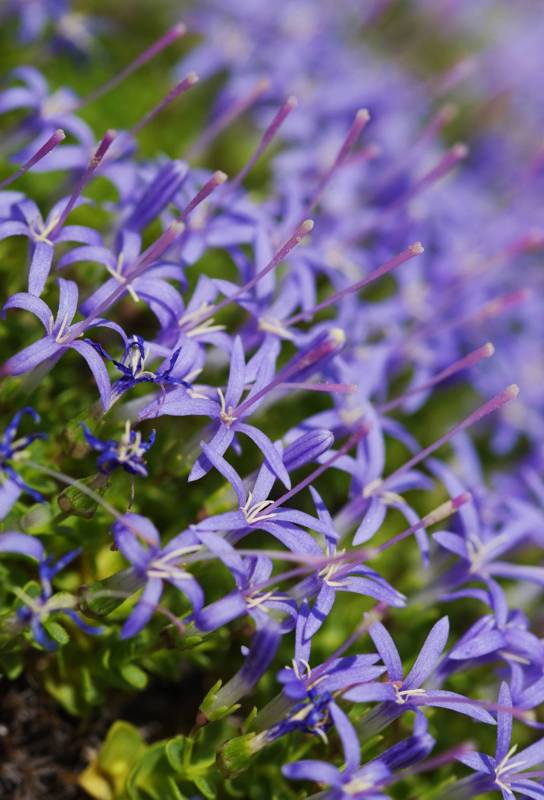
<point>106,777</point>
<point>11,664</point>
<point>134,676</point>
<point>203,786</point>
<point>56,632</point>
<point>91,694</point>
<point>176,753</point>
<point>64,693</point>
<point>148,774</point>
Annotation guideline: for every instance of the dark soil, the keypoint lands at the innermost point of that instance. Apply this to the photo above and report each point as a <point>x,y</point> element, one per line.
<point>43,749</point>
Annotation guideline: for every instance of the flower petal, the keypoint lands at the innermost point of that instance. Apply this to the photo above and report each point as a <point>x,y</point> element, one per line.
<point>429,655</point>
<point>23,544</point>
<point>40,267</point>
<point>144,609</point>
<point>98,369</point>
<point>387,649</point>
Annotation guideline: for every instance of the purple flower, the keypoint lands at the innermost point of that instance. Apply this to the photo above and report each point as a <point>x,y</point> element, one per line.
<point>26,220</point>
<point>309,691</point>
<point>154,565</point>
<point>133,366</point>
<point>505,633</point>
<point>225,412</point>
<point>34,15</point>
<point>10,448</point>
<point>399,693</point>
<point>354,780</point>
<point>312,691</point>
<point>35,611</point>
<point>258,658</point>
<point>128,452</point>
<point>247,598</point>
<point>339,576</point>
<point>47,112</point>
<point>284,524</point>
<point>58,337</point>
<point>509,770</point>
<point>152,288</point>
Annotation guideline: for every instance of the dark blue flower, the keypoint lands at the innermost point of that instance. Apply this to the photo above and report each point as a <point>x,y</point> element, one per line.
<point>11,449</point>
<point>133,367</point>
<point>35,611</point>
<point>128,452</point>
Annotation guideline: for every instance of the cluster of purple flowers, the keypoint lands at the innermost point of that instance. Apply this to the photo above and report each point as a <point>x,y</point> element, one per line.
<point>353,192</point>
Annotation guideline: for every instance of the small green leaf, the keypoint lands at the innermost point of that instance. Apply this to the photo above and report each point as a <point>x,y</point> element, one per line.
<point>176,752</point>
<point>56,632</point>
<point>134,676</point>
<point>203,786</point>
<point>11,664</point>
<point>91,694</point>
<point>106,777</point>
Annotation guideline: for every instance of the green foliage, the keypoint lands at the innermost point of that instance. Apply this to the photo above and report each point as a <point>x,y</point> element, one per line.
<point>126,768</point>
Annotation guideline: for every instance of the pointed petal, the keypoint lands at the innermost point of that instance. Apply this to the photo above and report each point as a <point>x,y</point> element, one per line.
<point>387,649</point>
<point>215,615</point>
<point>293,538</point>
<point>481,645</point>
<point>226,471</point>
<point>321,610</point>
<point>454,702</point>
<point>31,356</point>
<point>531,755</point>
<point>28,302</point>
<point>528,788</point>
<point>310,770</point>
<point>371,693</point>
<point>68,295</point>
<point>237,374</point>
<point>220,443</point>
<point>429,655</point>
<point>504,723</point>
<point>9,494</point>
<point>378,590</point>
<point>268,450</point>
<point>144,609</point>
<point>477,761</point>
<point>371,522</point>
<point>40,267</point>
<point>98,369</point>
<point>348,737</point>
<point>23,544</point>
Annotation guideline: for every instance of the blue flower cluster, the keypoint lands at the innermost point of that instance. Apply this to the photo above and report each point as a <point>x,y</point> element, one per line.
<point>362,173</point>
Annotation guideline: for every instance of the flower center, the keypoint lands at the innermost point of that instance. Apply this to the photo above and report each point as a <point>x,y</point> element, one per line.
<point>226,414</point>
<point>328,573</point>
<point>40,232</point>
<point>253,513</point>
<point>402,696</point>
<point>276,326</point>
<point>130,445</point>
<point>117,273</point>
